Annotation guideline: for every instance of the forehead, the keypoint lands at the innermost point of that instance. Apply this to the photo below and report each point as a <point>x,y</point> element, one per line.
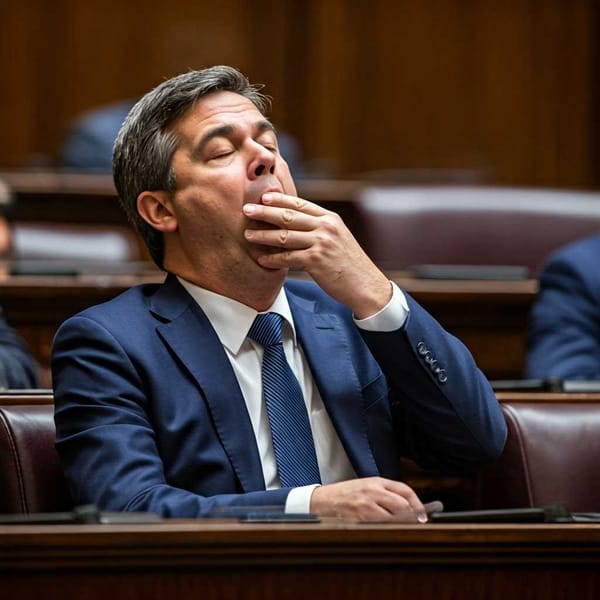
<point>218,108</point>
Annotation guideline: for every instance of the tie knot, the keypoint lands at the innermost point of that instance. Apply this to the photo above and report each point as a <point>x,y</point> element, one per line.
<point>266,329</point>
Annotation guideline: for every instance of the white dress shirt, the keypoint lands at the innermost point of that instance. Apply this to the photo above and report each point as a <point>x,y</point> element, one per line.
<point>232,321</point>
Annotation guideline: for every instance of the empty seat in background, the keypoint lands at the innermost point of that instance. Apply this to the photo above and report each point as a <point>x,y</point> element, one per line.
<point>38,240</point>
<point>75,248</point>
<point>550,458</point>
<point>31,478</point>
<point>404,226</point>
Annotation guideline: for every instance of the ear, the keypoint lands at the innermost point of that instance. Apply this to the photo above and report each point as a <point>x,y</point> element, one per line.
<point>155,208</point>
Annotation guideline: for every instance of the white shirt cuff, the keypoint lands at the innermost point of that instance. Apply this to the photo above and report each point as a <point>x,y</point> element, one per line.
<point>391,317</point>
<point>298,500</point>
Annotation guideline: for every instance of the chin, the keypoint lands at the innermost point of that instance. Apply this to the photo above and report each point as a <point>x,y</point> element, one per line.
<point>273,273</point>
<point>281,270</point>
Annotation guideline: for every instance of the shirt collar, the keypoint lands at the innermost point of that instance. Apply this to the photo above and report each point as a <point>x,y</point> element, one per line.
<point>231,319</point>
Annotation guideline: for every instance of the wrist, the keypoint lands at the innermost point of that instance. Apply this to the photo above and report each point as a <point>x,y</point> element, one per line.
<point>373,299</point>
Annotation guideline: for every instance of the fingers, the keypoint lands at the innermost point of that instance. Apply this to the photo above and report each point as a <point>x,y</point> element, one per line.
<point>292,202</point>
<point>305,233</point>
<point>398,498</point>
<point>413,502</point>
<point>280,238</point>
<point>285,212</point>
<point>369,499</point>
<point>297,234</point>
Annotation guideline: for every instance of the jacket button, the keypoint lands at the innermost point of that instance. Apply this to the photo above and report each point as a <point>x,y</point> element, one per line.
<point>421,348</point>
<point>442,377</point>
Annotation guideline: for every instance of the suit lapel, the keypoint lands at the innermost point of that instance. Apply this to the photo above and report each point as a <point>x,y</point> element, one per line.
<point>192,338</point>
<point>327,350</point>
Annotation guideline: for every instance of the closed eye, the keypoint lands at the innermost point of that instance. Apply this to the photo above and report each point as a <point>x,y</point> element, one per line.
<point>220,154</point>
<point>269,143</point>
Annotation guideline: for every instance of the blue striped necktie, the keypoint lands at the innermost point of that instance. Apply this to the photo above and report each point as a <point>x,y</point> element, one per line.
<point>288,419</point>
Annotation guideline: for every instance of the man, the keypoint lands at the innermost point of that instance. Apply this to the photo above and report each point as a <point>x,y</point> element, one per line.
<point>564,333</point>
<point>159,393</point>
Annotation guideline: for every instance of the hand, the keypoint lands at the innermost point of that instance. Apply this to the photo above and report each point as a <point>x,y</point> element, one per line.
<point>368,499</point>
<point>317,241</point>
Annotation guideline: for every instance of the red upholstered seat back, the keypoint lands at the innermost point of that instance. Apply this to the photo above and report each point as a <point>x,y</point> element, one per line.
<point>552,456</point>
<point>403,226</point>
<point>31,478</point>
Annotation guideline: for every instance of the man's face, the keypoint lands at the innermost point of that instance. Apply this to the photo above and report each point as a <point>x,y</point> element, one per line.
<point>227,156</point>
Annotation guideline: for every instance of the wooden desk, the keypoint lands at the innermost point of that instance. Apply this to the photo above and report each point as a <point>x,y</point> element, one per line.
<point>92,198</point>
<point>541,397</point>
<point>64,197</point>
<point>197,559</point>
<point>490,317</point>
<point>26,397</point>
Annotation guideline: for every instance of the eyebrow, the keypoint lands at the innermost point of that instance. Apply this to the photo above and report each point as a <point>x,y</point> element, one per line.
<point>228,130</point>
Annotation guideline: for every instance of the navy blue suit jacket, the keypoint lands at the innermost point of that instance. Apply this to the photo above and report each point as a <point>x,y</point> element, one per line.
<point>564,333</point>
<point>149,414</point>
<point>89,142</point>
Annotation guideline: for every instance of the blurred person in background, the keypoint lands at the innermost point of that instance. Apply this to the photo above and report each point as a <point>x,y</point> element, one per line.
<point>564,330</point>
<point>17,367</point>
<point>89,142</point>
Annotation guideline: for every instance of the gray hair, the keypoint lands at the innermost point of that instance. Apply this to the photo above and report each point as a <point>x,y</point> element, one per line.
<point>145,145</point>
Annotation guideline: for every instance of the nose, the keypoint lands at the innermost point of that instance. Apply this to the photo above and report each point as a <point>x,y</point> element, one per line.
<point>262,162</point>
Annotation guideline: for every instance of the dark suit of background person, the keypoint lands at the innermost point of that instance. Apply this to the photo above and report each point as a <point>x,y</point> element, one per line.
<point>17,367</point>
<point>89,142</point>
<point>564,334</point>
<point>149,413</point>
<point>90,138</point>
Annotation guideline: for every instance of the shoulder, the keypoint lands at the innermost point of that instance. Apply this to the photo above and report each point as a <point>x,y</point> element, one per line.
<point>580,254</point>
<point>572,270</point>
<point>306,290</point>
<point>125,310</point>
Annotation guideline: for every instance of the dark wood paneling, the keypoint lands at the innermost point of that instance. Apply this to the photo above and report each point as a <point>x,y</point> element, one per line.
<point>505,89</point>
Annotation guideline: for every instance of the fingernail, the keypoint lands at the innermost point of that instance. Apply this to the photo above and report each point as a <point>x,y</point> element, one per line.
<point>248,233</point>
<point>267,197</point>
<point>249,208</point>
<point>422,518</point>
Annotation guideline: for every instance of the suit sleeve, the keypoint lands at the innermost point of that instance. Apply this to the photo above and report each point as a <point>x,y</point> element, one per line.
<point>105,433</point>
<point>445,412</point>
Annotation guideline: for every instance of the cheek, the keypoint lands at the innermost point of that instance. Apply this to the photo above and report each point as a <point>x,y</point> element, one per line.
<point>282,172</point>
<point>212,209</point>
<point>212,194</point>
